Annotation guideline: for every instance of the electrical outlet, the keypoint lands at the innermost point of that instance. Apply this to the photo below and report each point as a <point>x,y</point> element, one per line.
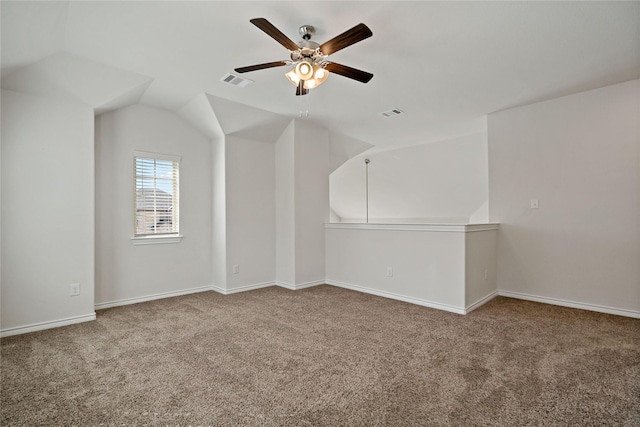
<point>389,271</point>
<point>74,289</point>
<point>236,268</point>
<point>534,203</point>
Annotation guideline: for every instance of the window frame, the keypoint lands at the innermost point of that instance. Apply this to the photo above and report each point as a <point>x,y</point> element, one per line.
<point>157,238</point>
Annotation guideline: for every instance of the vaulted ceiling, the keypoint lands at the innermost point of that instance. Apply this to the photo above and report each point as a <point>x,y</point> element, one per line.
<point>445,64</point>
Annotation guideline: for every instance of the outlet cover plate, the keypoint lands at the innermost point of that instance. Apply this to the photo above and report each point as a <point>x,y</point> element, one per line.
<point>74,289</point>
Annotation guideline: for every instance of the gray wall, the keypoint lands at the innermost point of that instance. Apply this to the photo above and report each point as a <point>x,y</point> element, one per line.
<point>579,156</point>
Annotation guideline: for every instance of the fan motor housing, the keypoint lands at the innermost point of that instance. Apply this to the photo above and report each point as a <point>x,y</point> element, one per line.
<point>308,51</point>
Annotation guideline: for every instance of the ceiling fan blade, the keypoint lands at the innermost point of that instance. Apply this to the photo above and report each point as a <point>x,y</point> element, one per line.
<point>274,33</point>
<point>260,66</point>
<point>349,37</point>
<point>352,73</point>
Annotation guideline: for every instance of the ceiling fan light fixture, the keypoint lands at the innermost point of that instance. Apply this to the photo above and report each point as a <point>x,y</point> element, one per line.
<point>317,76</point>
<point>310,84</point>
<point>304,70</point>
<point>292,77</point>
<point>320,74</point>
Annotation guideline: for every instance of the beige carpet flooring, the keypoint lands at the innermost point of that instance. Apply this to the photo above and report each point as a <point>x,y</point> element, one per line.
<point>325,356</point>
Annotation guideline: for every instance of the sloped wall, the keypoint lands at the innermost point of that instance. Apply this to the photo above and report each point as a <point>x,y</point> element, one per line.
<point>438,182</point>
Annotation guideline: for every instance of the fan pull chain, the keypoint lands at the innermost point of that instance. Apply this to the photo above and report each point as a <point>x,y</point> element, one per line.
<point>304,106</point>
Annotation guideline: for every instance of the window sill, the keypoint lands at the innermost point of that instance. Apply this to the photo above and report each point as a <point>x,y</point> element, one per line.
<point>155,240</point>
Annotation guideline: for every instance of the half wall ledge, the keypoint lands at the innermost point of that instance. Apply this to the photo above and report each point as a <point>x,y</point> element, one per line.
<point>450,267</point>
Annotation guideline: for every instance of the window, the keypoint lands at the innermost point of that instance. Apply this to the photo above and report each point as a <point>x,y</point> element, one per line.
<point>156,195</point>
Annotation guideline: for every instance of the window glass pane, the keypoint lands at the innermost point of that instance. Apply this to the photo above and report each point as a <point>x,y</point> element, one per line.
<point>156,196</point>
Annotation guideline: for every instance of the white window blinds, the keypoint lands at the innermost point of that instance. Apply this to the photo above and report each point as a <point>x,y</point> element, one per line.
<point>156,194</point>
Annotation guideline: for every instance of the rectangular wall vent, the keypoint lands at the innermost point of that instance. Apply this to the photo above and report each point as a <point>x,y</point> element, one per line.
<point>391,113</point>
<point>236,80</point>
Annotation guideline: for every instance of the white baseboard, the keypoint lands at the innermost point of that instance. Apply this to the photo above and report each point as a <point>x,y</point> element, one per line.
<point>47,325</point>
<point>136,300</point>
<point>412,300</point>
<point>572,304</point>
<point>481,302</point>
<point>219,290</point>
<point>265,285</point>
<point>241,288</point>
<point>301,285</point>
<point>285,285</point>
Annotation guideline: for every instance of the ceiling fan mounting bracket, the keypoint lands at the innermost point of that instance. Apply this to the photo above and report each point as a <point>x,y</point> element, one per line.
<point>306,31</point>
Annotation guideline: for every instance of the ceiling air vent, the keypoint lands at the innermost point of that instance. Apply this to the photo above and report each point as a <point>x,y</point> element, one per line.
<point>391,113</point>
<point>236,80</point>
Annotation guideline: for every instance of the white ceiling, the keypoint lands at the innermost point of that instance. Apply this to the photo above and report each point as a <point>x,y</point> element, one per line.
<point>446,64</point>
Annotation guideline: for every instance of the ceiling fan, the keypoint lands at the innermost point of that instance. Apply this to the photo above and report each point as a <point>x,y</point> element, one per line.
<point>310,58</point>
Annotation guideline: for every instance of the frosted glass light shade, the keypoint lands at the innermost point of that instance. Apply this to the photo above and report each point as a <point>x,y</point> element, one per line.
<point>293,77</point>
<point>319,74</point>
<point>304,70</point>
